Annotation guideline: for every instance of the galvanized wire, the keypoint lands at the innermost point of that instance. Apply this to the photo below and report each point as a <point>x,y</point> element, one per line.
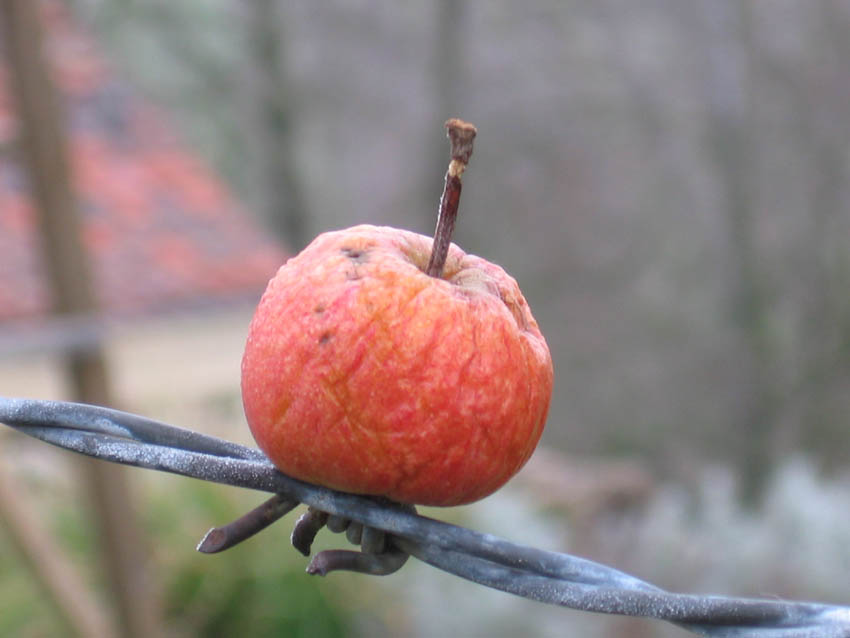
<point>544,576</point>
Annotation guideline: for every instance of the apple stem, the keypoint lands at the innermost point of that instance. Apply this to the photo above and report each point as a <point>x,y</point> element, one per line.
<point>461,135</point>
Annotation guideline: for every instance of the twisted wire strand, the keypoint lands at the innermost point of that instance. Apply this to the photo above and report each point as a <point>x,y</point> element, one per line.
<point>540,575</point>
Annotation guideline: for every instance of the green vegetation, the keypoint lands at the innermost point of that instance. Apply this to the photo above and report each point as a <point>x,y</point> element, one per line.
<point>258,588</point>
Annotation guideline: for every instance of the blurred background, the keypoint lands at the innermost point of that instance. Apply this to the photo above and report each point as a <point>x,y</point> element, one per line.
<point>669,183</point>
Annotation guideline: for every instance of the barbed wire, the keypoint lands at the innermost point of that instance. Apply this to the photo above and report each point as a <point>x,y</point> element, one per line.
<point>540,575</point>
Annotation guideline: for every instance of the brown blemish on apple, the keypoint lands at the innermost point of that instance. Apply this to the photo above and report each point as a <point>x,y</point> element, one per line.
<point>357,255</point>
<point>319,309</point>
<point>326,336</point>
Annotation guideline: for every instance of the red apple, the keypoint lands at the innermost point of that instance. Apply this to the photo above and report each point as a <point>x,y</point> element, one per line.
<point>365,374</point>
<point>382,362</point>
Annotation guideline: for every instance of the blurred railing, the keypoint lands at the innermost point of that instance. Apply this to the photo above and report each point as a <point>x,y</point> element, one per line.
<point>544,576</point>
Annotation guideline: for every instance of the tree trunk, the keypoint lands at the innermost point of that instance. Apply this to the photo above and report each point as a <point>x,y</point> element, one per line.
<point>728,133</point>
<point>281,197</point>
<point>44,155</point>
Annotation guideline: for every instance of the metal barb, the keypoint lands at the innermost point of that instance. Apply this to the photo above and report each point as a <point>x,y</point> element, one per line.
<point>548,577</point>
<point>221,538</point>
<point>306,527</point>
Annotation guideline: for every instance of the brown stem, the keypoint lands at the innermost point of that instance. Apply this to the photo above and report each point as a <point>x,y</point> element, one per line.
<point>461,135</point>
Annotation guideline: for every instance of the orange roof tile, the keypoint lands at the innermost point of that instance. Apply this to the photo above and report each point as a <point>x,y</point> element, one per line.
<point>160,228</point>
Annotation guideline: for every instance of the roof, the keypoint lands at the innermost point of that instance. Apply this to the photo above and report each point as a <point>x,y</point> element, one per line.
<point>160,228</point>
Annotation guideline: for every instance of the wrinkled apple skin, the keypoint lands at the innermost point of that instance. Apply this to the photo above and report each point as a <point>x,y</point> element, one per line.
<point>364,374</point>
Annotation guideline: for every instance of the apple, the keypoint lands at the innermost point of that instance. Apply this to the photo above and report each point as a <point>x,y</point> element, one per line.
<point>365,374</point>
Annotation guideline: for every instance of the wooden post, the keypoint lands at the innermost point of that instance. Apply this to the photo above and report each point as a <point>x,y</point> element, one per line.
<point>44,154</point>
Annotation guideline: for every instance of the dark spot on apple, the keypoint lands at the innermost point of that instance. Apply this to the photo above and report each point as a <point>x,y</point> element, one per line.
<point>319,309</point>
<point>356,254</point>
<point>326,336</point>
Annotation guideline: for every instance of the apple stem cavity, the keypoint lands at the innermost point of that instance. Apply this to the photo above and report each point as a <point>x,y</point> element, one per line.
<point>461,136</point>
